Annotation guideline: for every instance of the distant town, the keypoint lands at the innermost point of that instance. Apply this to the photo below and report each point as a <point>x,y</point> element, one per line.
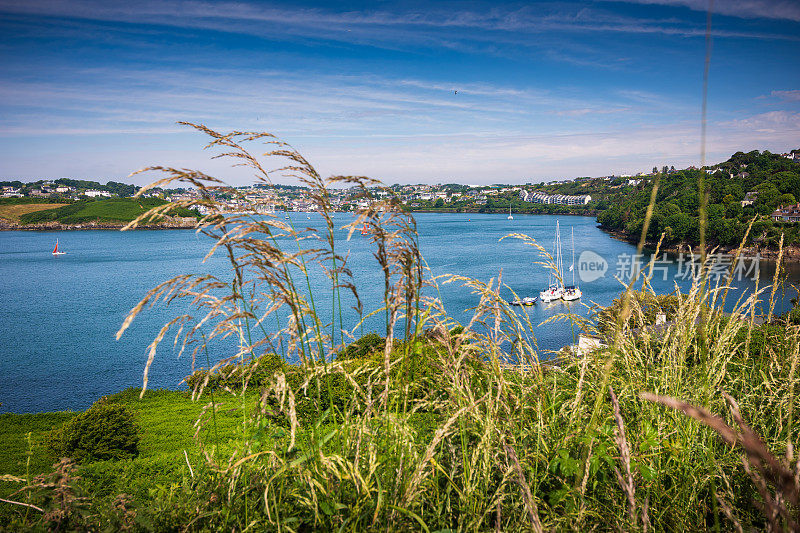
<point>296,198</point>
<point>581,194</point>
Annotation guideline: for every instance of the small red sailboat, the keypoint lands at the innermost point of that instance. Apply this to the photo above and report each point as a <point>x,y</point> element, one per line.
<point>55,250</point>
<point>364,229</point>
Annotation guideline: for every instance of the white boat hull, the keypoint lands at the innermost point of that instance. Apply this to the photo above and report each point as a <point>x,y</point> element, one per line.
<point>572,295</point>
<point>550,295</point>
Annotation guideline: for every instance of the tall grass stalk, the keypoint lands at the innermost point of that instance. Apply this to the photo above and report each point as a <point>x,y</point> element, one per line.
<point>468,427</point>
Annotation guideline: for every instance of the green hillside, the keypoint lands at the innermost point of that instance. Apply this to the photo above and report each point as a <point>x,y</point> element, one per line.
<point>774,178</point>
<point>108,210</point>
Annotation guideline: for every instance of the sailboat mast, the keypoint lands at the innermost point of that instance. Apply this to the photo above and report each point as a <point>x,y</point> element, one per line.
<point>550,271</point>
<point>572,267</point>
<point>559,259</point>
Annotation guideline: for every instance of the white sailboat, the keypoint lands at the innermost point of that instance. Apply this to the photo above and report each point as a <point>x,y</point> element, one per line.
<point>555,289</point>
<point>509,211</point>
<point>56,250</point>
<point>572,292</point>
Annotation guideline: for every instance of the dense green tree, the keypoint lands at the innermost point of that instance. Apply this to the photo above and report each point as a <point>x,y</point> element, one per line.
<point>767,197</point>
<point>776,180</point>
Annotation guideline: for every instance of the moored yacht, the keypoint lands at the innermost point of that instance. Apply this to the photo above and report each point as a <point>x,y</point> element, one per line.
<point>572,292</point>
<point>555,290</point>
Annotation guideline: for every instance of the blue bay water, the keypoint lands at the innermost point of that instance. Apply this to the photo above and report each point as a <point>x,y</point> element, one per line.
<point>59,315</point>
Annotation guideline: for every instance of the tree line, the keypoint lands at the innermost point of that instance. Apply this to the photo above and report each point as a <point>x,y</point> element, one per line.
<point>772,179</point>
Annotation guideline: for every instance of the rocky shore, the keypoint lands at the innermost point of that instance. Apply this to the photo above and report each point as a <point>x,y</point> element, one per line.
<point>168,223</point>
<point>790,253</point>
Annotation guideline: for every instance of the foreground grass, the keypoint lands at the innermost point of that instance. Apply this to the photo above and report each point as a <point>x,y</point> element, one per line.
<point>568,452</point>
<point>450,428</point>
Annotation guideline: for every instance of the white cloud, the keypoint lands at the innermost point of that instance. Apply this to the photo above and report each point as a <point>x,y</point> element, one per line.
<point>486,157</point>
<point>771,122</point>
<point>771,9</point>
<point>793,95</point>
<point>395,29</point>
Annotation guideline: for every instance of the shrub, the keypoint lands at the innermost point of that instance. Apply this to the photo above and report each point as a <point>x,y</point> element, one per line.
<point>643,310</point>
<point>104,432</point>
<point>256,372</point>
<point>794,316</point>
<point>363,348</point>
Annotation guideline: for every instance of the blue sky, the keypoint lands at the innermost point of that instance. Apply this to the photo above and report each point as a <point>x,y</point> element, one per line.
<point>93,89</point>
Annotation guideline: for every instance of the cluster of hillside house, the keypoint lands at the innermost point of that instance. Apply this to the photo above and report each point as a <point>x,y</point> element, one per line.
<point>789,213</point>
<point>536,197</point>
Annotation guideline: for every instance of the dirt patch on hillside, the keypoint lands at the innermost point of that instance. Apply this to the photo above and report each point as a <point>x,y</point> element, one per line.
<point>13,212</point>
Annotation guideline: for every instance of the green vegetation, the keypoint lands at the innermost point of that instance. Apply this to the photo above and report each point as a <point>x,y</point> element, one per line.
<point>643,309</point>
<point>26,201</point>
<point>113,187</point>
<point>108,210</point>
<point>775,179</point>
<point>448,427</point>
<point>166,427</point>
<point>106,431</point>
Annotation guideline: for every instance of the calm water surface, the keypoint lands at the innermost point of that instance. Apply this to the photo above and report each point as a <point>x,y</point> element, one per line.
<point>59,314</point>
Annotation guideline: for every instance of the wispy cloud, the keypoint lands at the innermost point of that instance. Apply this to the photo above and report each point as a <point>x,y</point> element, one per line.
<point>380,27</point>
<point>770,9</point>
<point>124,99</point>
<point>399,91</point>
<point>477,157</point>
<point>792,95</point>
<point>772,122</point>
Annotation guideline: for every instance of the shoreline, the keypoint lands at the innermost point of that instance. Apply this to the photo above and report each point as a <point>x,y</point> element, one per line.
<point>497,212</point>
<point>6,225</point>
<point>790,253</point>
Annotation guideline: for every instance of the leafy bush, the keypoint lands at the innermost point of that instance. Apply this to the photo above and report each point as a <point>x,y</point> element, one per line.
<point>794,316</point>
<point>256,372</point>
<point>104,432</point>
<point>644,307</point>
<point>363,348</point>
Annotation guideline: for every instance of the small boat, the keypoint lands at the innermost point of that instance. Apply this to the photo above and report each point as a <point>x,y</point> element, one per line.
<point>364,229</point>
<point>553,293</point>
<point>509,211</point>
<point>555,289</point>
<point>572,292</point>
<point>528,300</point>
<point>55,250</point>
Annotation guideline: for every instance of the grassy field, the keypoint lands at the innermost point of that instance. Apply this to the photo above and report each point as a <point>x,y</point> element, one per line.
<point>13,212</point>
<point>166,424</point>
<point>107,210</point>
